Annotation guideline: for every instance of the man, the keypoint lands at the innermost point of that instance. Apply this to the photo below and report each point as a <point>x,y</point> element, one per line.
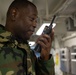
<point>16,58</point>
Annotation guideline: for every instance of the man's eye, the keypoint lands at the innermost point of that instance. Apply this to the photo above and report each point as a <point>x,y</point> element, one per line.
<point>31,19</point>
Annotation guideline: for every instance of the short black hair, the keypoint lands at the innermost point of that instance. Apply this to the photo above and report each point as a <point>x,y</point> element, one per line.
<point>19,4</point>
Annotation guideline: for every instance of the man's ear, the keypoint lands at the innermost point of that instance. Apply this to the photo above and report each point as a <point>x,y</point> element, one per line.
<point>14,14</point>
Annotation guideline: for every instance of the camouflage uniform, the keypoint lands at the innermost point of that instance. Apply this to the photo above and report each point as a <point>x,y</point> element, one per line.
<point>16,58</point>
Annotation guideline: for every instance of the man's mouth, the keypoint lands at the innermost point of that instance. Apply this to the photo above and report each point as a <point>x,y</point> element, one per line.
<point>31,31</point>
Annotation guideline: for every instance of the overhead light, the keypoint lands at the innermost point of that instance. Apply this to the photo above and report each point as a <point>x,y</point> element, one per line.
<point>40,30</point>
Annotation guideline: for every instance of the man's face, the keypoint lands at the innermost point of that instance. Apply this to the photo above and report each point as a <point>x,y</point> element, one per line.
<point>26,23</point>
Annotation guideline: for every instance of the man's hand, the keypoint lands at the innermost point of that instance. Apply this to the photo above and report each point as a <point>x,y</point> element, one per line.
<point>45,42</point>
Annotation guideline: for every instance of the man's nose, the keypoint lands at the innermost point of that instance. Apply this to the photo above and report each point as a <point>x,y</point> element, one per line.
<point>34,23</point>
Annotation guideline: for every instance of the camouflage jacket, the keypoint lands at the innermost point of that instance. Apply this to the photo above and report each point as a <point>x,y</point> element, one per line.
<point>16,58</point>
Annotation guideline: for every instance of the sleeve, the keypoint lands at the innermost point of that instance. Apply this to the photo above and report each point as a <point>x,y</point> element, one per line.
<point>10,61</point>
<point>45,67</point>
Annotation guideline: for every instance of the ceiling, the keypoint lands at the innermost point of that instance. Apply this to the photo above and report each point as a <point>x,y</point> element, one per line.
<point>46,10</point>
